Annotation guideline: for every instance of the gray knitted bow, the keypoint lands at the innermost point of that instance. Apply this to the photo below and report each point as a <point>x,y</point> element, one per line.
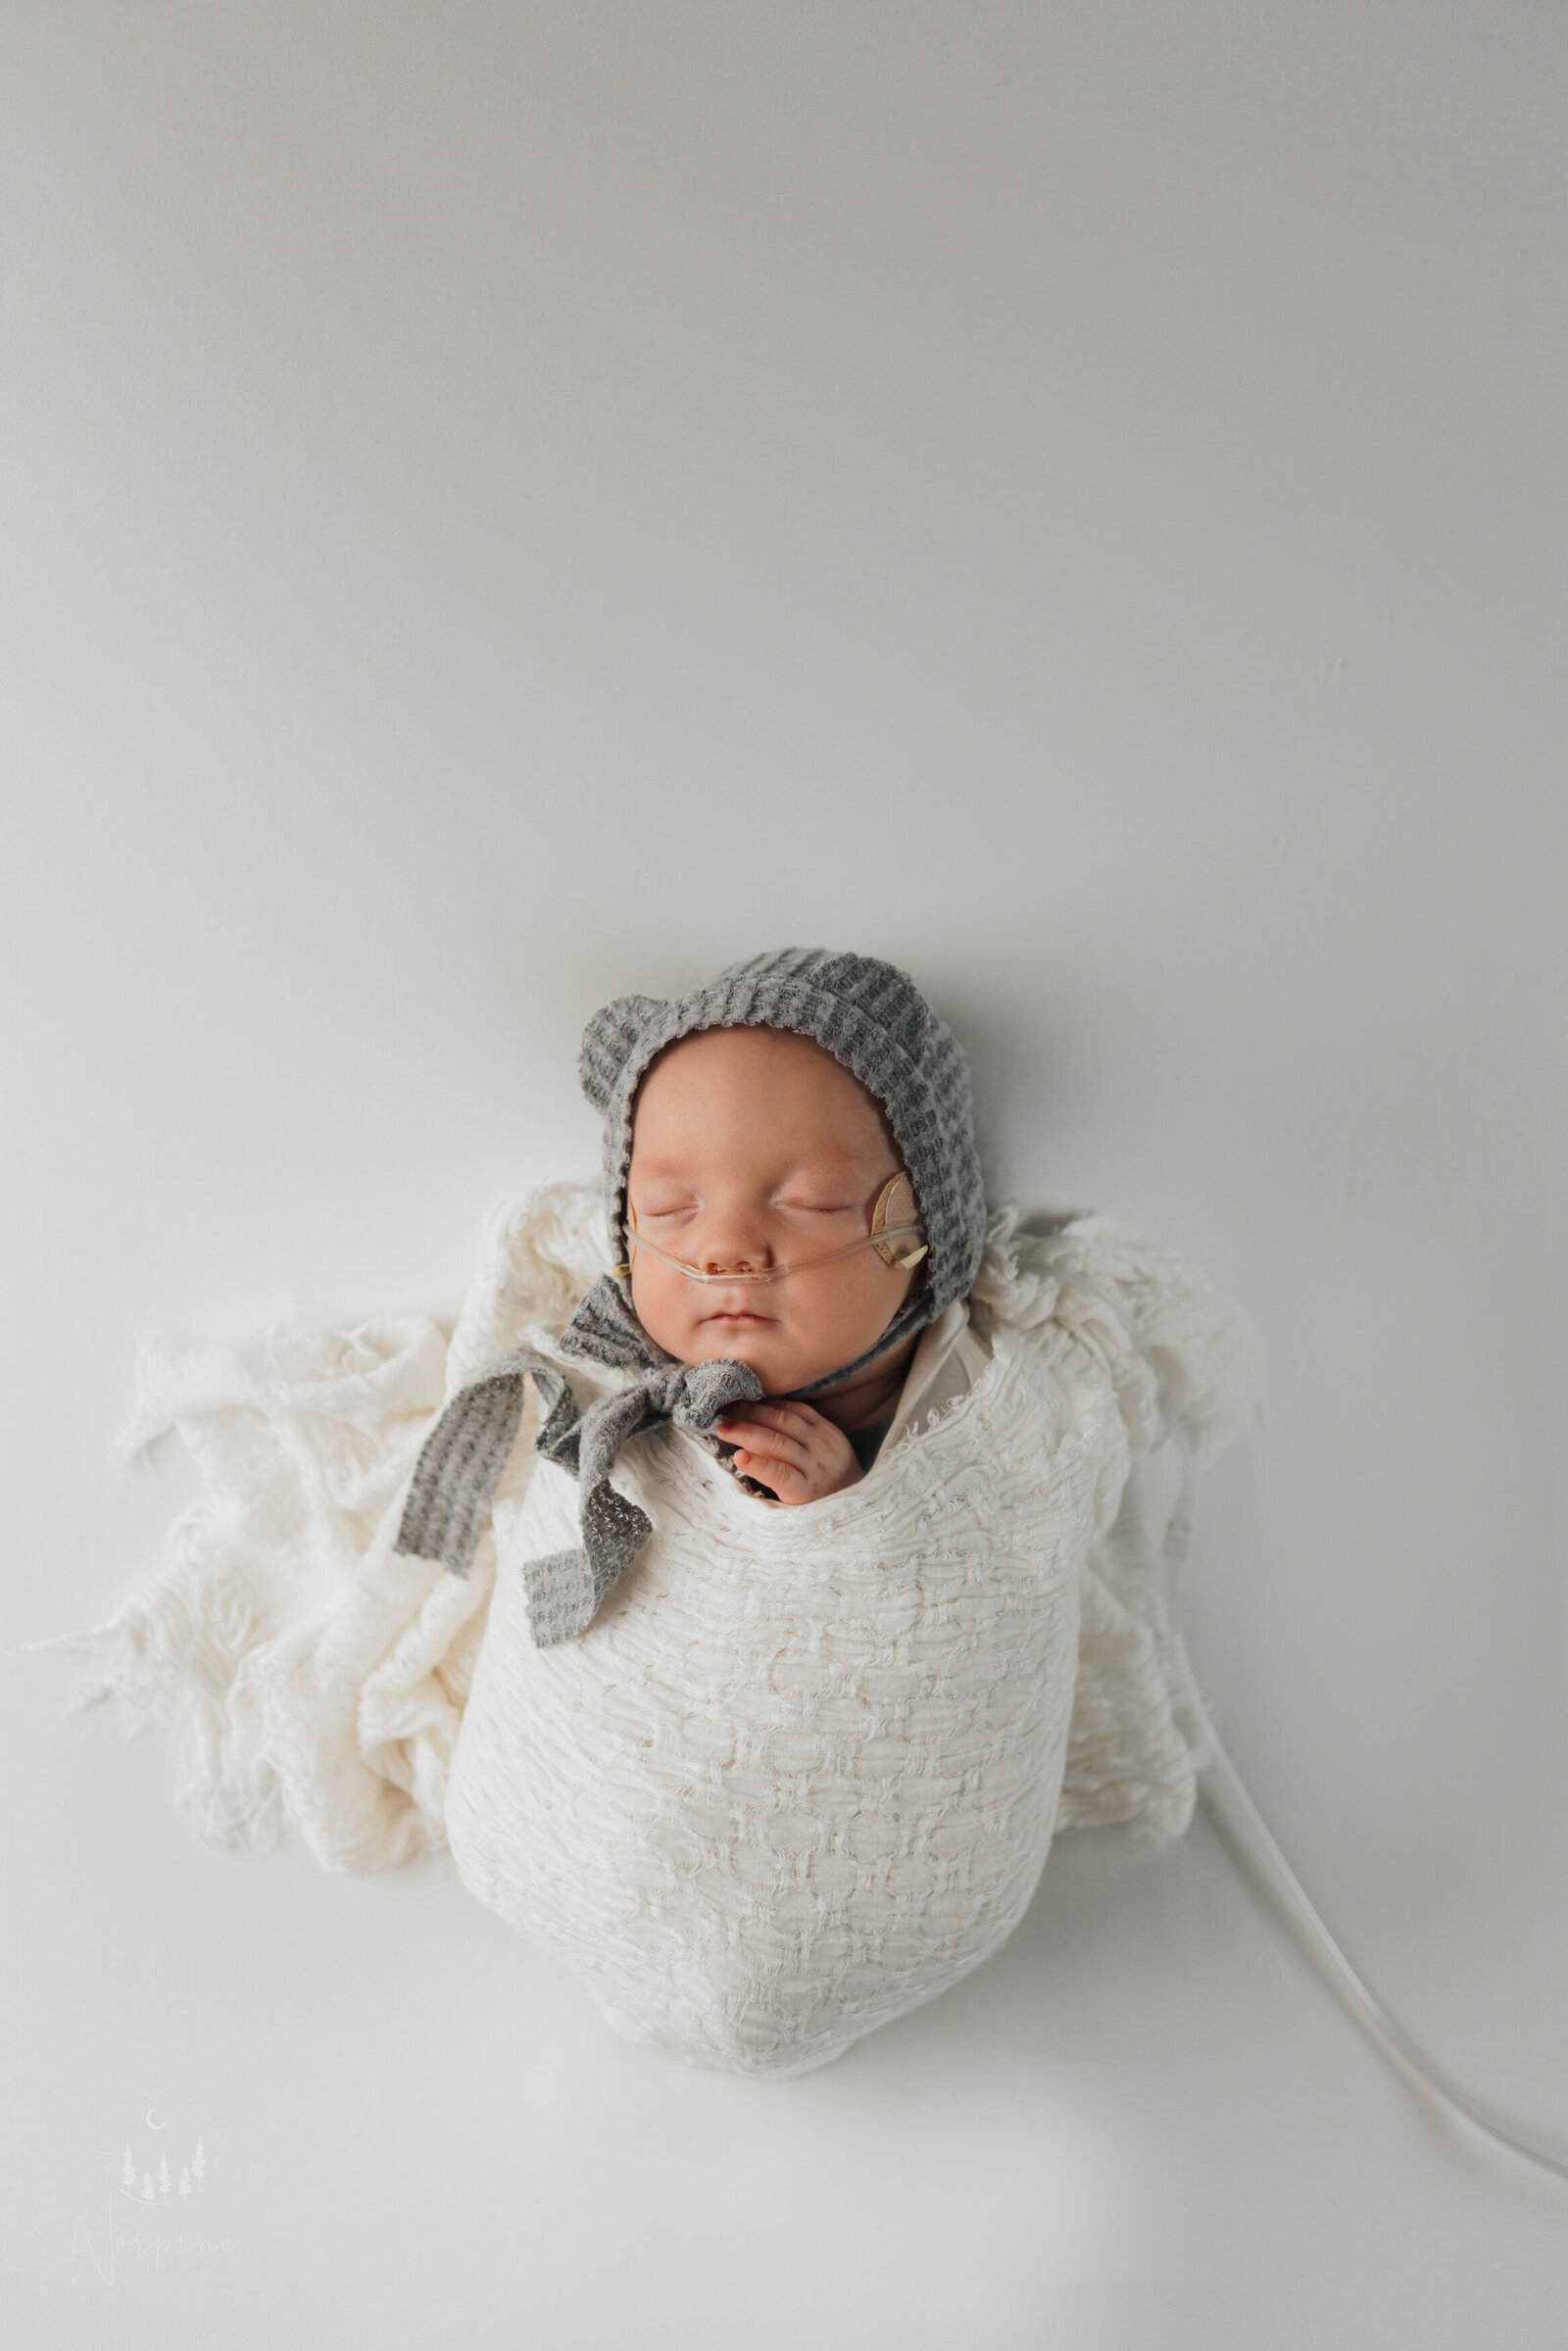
<point>460,1461</point>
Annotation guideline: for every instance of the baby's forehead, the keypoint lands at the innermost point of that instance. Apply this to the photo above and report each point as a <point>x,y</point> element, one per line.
<point>760,1088</point>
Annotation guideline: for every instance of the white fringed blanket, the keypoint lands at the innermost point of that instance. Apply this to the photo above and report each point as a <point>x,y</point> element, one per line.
<point>804,1769</point>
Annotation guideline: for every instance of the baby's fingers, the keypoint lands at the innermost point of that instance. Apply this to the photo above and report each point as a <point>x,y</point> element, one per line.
<point>787,1420</point>
<point>784,1478</point>
<point>773,1442</point>
<point>769,1463</point>
<point>774,1458</point>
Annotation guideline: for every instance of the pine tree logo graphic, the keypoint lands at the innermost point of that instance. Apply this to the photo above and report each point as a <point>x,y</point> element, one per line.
<point>157,2182</point>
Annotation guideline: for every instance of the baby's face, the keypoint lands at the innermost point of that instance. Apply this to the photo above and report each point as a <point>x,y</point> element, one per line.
<point>755,1147</point>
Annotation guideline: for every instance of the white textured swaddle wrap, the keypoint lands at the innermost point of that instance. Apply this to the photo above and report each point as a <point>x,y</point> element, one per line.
<point>802,1770</point>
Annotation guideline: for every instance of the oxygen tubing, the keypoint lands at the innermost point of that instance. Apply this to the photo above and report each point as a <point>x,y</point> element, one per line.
<point>1246,1832</point>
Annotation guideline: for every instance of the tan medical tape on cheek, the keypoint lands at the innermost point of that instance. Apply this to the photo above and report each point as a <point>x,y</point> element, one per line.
<point>895,1215</point>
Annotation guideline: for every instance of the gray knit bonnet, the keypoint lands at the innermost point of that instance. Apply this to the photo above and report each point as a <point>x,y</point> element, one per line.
<point>872,1018</point>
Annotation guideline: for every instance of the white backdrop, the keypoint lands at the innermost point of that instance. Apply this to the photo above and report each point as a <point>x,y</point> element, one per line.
<point>506,504</point>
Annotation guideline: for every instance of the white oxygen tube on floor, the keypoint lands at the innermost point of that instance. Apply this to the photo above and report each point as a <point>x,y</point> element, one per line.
<point>1247,1834</point>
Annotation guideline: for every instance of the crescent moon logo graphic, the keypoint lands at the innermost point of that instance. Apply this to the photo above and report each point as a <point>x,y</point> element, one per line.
<point>152,2125</point>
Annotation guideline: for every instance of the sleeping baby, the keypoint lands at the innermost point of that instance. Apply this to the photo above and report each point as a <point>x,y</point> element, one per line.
<point>758,1577</point>
<point>754,1675</point>
<point>826,1601</point>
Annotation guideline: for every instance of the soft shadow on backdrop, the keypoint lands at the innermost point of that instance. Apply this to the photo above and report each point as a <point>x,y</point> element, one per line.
<point>508,505</point>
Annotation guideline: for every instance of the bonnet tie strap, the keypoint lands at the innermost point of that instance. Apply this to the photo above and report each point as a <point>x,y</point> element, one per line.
<point>460,1461</point>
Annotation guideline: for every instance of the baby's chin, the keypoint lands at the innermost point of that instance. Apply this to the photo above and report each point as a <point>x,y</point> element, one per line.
<point>779,1365</point>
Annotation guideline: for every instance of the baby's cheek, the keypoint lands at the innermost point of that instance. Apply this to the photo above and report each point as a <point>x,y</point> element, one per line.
<point>667,1320</point>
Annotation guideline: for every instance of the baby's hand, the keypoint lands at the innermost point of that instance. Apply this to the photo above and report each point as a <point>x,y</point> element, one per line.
<point>792,1449</point>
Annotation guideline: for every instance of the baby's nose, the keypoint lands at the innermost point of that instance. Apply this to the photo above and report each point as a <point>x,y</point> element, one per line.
<point>735,1261</point>
<point>735,1249</point>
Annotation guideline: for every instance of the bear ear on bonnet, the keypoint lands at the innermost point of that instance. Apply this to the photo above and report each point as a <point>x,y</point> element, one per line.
<point>617,1032</point>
